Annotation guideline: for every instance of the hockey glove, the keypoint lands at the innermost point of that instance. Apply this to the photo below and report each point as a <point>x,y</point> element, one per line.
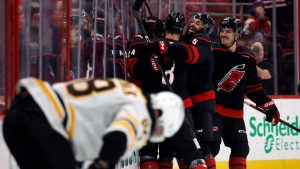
<point>271,111</point>
<point>100,164</point>
<point>157,47</point>
<point>95,165</point>
<point>198,164</point>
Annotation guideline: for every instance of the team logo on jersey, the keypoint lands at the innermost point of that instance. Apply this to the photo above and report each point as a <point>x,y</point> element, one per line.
<point>232,78</point>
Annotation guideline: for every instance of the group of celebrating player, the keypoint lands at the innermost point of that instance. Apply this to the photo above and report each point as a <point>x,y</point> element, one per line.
<point>60,126</point>
<point>212,78</point>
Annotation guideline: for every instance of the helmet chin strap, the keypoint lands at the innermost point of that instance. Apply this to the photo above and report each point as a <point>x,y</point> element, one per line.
<point>227,47</point>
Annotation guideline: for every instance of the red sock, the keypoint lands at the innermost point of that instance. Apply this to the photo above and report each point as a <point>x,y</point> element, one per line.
<point>165,165</point>
<point>211,162</point>
<point>237,163</point>
<point>149,164</point>
<point>181,164</point>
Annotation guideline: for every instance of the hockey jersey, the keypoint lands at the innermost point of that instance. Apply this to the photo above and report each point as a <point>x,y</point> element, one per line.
<point>235,76</point>
<point>83,111</point>
<point>200,74</point>
<point>197,53</point>
<point>146,70</point>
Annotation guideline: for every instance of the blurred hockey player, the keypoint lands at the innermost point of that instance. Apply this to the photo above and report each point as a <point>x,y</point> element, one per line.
<point>147,70</point>
<point>112,54</point>
<point>235,76</point>
<point>55,127</point>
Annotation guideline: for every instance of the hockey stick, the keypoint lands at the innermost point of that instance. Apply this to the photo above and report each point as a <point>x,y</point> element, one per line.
<point>280,120</point>
<point>136,7</point>
<point>148,7</point>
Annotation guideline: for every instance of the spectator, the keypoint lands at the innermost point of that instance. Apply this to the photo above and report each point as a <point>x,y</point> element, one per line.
<point>257,25</point>
<point>264,67</point>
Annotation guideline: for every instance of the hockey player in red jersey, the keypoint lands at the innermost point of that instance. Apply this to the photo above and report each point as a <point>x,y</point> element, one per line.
<point>235,77</point>
<point>53,127</point>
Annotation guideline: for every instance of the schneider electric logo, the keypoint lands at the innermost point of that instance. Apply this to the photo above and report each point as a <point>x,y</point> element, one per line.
<point>277,138</point>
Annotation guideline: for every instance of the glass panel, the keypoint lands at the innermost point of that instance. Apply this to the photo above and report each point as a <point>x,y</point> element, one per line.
<point>2,56</point>
<point>43,40</point>
<point>270,24</point>
<point>285,40</point>
<point>106,28</point>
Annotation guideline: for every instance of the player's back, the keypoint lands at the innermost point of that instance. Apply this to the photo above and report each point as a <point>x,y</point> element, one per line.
<point>82,110</point>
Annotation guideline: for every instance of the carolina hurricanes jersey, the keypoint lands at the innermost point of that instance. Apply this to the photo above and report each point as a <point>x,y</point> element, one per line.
<point>200,74</point>
<point>197,53</point>
<point>235,76</point>
<point>147,71</point>
<point>86,110</point>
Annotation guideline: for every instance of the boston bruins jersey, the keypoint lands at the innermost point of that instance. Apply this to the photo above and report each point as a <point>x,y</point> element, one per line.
<point>83,111</point>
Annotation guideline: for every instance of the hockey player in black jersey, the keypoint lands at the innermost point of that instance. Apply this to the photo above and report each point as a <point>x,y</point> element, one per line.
<point>197,52</point>
<point>200,82</point>
<point>235,77</point>
<point>154,28</point>
<point>147,70</point>
<point>92,61</point>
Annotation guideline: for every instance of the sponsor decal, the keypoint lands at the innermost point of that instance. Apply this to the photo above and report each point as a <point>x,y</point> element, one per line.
<point>276,138</point>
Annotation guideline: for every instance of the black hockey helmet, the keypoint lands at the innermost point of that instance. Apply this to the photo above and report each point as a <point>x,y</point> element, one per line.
<point>175,22</point>
<point>230,22</point>
<point>153,25</point>
<point>206,19</point>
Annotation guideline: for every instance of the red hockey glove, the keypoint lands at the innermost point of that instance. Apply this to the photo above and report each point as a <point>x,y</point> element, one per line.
<point>271,111</point>
<point>158,47</point>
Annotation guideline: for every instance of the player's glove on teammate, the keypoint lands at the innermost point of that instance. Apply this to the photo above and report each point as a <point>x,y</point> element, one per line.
<point>157,47</point>
<point>271,111</point>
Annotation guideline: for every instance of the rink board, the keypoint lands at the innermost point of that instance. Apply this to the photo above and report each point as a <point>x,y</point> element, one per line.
<point>271,147</point>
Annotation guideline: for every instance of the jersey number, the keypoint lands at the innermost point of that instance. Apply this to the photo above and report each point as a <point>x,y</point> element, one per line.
<point>89,87</point>
<point>232,78</point>
<point>170,75</point>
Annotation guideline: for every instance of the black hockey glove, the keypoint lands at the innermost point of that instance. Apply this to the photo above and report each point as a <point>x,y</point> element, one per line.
<point>95,165</point>
<point>271,111</point>
<point>157,47</point>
